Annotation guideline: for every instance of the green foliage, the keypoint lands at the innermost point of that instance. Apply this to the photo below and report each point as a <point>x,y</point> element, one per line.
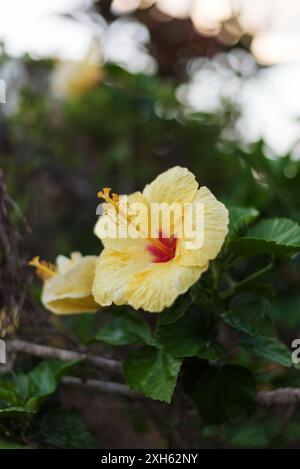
<point>268,348</point>
<point>224,393</point>
<point>129,328</point>
<point>250,314</point>
<point>9,445</point>
<point>240,218</point>
<point>171,315</point>
<point>251,435</point>
<point>82,327</point>
<point>63,429</point>
<point>152,372</point>
<point>22,395</point>
<point>275,236</point>
<point>189,336</point>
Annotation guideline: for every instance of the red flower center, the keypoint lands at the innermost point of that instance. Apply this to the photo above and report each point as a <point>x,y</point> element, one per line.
<point>163,250</point>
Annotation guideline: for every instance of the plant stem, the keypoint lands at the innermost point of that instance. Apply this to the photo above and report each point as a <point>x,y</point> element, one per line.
<point>280,396</point>
<point>108,387</point>
<point>44,351</point>
<point>227,293</point>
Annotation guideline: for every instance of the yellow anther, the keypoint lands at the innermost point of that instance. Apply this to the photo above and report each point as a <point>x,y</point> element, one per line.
<point>44,270</point>
<point>104,194</point>
<point>113,199</point>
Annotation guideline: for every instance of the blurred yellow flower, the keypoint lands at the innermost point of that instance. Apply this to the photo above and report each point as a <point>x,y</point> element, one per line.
<point>72,78</point>
<point>68,284</point>
<point>150,272</point>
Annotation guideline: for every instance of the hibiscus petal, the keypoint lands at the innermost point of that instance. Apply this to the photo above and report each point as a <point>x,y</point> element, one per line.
<point>114,271</point>
<point>71,291</point>
<point>177,185</point>
<point>67,305</point>
<point>157,287</point>
<point>215,231</point>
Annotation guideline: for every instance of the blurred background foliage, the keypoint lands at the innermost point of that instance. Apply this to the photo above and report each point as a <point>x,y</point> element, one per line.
<point>58,152</point>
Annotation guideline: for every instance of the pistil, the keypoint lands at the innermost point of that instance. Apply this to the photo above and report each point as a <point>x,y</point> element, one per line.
<point>44,269</point>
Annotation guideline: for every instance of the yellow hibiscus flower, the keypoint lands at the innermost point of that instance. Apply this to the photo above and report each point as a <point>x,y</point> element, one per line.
<point>67,285</point>
<point>150,272</point>
<point>72,78</point>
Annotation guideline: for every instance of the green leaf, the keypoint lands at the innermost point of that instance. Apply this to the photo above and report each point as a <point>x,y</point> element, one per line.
<point>289,302</point>
<point>41,382</point>
<point>175,312</point>
<point>250,435</point>
<point>275,235</point>
<point>26,392</point>
<point>240,218</point>
<point>126,329</point>
<point>11,445</point>
<point>250,314</point>
<point>14,412</point>
<point>189,336</point>
<point>224,393</point>
<point>64,429</point>
<point>60,368</point>
<point>8,394</point>
<point>83,326</point>
<point>213,351</point>
<point>152,372</point>
<point>268,348</point>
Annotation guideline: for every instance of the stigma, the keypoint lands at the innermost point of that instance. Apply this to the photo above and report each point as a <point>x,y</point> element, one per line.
<point>43,269</point>
<point>109,199</point>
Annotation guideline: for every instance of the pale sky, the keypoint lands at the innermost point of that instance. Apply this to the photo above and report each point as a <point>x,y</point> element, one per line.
<point>35,26</point>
